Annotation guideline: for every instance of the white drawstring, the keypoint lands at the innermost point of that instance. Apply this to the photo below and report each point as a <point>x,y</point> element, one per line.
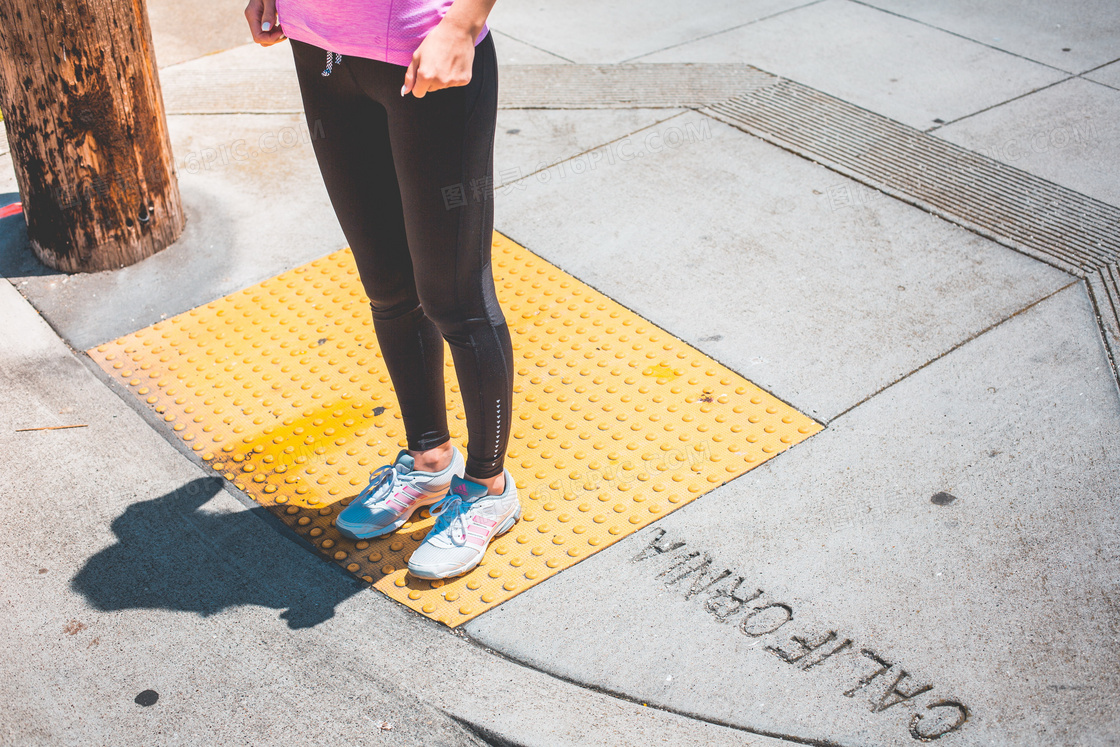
<point>333,58</point>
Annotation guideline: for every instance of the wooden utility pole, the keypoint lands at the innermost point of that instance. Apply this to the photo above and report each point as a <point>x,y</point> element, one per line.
<point>81,102</point>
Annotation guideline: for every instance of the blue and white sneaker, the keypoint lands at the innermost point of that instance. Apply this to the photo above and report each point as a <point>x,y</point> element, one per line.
<point>393,493</point>
<point>468,519</point>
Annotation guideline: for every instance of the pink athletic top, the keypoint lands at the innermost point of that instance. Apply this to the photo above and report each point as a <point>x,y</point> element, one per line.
<point>385,30</point>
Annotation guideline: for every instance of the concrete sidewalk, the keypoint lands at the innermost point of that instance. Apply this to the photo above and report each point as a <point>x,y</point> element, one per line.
<point>942,561</point>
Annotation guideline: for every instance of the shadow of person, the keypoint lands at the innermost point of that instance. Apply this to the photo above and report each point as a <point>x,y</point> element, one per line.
<point>173,554</point>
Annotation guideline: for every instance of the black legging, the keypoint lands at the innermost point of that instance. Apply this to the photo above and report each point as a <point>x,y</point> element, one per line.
<point>411,181</point>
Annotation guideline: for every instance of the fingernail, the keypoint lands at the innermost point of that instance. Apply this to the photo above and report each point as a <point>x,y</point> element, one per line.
<point>403,92</point>
<point>266,26</point>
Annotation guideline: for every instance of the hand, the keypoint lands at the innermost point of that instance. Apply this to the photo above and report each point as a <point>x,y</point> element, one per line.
<point>261,15</point>
<point>444,60</point>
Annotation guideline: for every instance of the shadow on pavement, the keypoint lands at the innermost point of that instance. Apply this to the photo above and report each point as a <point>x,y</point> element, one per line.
<point>16,259</point>
<point>171,554</point>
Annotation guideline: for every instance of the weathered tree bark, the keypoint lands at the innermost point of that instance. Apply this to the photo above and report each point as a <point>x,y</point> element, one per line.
<point>81,101</point>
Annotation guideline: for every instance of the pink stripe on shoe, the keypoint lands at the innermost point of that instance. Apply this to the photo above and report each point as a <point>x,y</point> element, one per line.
<point>412,491</point>
<point>397,505</point>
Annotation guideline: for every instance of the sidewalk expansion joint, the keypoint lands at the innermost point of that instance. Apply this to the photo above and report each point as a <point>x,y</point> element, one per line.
<point>726,30</point>
<point>957,34</point>
<point>591,149</point>
<point>793,738</point>
<point>998,104</point>
<point>1104,290</point>
<point>281,389</point>
<point>952,349</point>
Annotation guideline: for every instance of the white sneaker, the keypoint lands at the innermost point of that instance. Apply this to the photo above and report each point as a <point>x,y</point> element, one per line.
<point>468,520</point>
<point>393,493</point>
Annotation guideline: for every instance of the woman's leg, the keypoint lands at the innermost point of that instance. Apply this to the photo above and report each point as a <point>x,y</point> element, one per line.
<point>443,150</point>
<point>353,150</point>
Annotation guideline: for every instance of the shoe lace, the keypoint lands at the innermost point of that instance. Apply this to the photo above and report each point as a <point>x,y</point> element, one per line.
<point>378,479</point>
<point>452,514</point>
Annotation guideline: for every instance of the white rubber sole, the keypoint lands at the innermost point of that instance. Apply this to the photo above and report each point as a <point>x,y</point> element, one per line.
<point>470,565</point>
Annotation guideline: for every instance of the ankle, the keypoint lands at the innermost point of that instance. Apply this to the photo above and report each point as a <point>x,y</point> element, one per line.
<point>495,485</point>
<point>433,460</point>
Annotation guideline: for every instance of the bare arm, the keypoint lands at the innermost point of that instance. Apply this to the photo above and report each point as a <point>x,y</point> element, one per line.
<point>446,56</point>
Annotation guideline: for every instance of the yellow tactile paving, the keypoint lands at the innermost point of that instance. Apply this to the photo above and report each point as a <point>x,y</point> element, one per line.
<point>281,388</point>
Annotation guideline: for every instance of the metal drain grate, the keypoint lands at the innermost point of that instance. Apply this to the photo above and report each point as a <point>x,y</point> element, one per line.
<point>1017,209</point>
